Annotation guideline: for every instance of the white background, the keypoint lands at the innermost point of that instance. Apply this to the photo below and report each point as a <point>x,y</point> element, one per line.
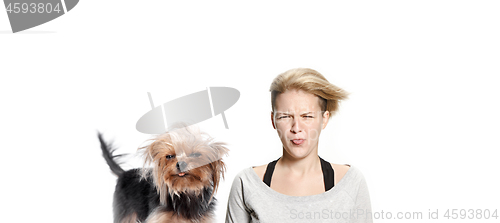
<point>421,122</point>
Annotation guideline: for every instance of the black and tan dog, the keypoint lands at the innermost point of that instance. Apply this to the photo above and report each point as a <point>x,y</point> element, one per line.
<point>182,170</point>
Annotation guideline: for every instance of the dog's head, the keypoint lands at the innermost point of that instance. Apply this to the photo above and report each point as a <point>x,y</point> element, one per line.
<point>184,160</point>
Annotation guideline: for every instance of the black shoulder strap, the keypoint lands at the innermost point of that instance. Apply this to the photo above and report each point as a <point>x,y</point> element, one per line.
<point>269,172</point>
<point>328,174</point>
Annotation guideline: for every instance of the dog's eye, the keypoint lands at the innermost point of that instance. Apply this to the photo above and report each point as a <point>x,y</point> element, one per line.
<point>195,155</point>
<point>170,156</point>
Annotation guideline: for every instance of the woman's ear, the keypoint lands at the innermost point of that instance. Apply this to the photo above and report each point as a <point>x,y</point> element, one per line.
<point>326,117</point>
<point>272,119</point>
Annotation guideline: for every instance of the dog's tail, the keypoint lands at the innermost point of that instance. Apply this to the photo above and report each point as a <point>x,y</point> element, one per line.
<point>107,153</point>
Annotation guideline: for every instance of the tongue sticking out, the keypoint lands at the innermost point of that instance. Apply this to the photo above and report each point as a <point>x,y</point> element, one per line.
<point>182,174</point>
<point>297,141</point>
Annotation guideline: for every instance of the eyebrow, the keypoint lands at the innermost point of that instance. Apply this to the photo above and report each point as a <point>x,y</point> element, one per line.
<point>287,113</point>
<point>282,113</point>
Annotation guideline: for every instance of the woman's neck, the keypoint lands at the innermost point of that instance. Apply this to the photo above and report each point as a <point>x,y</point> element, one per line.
<point>305,165</point>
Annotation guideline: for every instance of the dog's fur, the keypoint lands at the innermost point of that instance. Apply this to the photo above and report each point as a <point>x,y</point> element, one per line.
<point>182,170</point>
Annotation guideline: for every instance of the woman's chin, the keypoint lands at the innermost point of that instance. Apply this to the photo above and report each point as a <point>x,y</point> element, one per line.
<point>298,152</point>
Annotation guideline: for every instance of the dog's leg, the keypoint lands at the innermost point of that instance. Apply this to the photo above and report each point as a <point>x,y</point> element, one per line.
<point>161,216</point>
<point>132,218</point>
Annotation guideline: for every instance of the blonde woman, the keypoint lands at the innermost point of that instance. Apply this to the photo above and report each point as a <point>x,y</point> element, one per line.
<point>300,186</point>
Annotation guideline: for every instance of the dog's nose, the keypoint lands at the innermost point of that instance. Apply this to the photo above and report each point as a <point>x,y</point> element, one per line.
<point>181,166</point>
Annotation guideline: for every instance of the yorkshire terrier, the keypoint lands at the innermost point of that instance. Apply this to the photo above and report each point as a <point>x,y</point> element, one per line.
<point>182,170</point>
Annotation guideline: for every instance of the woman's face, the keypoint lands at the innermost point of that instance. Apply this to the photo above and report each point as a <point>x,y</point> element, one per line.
<point>298,119</point>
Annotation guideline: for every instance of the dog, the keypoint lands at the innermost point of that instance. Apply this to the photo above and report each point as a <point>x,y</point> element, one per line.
<point>182,170</point>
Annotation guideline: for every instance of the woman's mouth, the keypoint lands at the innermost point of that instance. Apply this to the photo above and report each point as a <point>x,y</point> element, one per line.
<point>297,141</point>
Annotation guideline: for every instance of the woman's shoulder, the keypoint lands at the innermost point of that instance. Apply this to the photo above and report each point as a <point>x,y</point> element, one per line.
<point>246,178</point>
<point>340,170</point>
<point>249,173</point>
<point>350,174</point>
<point>260,170</point>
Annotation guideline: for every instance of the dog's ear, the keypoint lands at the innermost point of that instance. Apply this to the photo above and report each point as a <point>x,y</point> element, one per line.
<point>154,152</point>
<point>220,148</point>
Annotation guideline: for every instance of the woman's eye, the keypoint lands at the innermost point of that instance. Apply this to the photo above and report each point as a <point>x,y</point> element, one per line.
<point>308,116</point>
<point>170,156</point>
<point>195,155</point>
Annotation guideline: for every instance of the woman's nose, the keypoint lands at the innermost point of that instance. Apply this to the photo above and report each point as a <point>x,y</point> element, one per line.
<point>296,126</point>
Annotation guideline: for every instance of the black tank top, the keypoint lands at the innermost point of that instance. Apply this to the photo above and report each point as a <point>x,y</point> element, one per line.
<point>328,173</point>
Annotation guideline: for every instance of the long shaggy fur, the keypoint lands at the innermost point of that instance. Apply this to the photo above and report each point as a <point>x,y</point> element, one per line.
<point>181,172</point>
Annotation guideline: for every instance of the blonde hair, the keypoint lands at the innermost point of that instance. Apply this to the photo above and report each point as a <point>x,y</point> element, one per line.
<point>310,81</point>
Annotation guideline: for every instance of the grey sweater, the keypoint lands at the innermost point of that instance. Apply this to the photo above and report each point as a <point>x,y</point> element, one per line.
<point>251,200</point>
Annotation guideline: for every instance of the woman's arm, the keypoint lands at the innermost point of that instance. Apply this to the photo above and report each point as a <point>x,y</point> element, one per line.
<point>363,203</point>
<point>237,211</point>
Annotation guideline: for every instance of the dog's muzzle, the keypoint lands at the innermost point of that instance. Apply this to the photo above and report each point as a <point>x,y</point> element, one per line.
<point>181,166</point>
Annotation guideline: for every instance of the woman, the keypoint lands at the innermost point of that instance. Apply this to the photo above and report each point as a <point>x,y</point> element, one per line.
<point>300,186</point>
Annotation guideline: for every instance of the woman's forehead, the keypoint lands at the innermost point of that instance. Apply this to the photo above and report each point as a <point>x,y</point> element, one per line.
<point>297,101</point>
